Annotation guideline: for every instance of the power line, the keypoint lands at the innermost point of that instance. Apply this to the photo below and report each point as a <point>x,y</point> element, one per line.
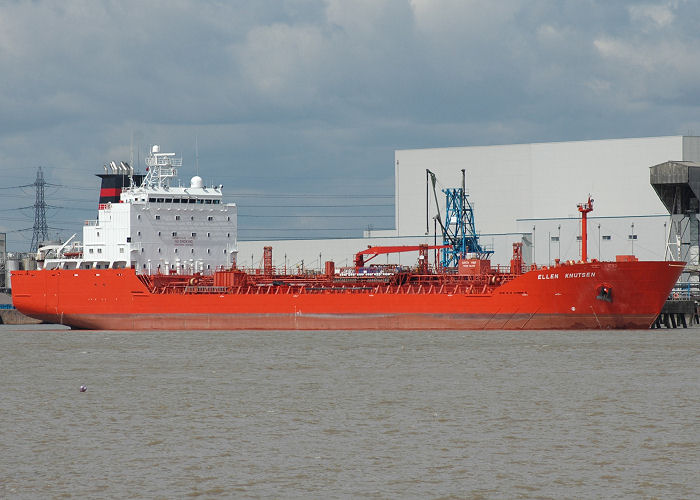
<point>320,206</point>
<point>314,216</point>
<point>312,229</point>
<point>259,195</point>
<point>73,187</point>
<point>18,187</point>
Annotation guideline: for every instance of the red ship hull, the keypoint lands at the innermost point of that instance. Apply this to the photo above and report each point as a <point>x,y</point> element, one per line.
<point>562,297</point>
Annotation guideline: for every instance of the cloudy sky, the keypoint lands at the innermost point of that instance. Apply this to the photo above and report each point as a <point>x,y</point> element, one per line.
<point>298,105</point>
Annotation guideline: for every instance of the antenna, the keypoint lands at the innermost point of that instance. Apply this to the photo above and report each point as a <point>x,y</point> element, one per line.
<point>196,155</point>
<point>41,230</point>
<point>138,154</point>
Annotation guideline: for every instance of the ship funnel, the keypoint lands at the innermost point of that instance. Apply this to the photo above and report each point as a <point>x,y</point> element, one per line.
<point>112,185</point>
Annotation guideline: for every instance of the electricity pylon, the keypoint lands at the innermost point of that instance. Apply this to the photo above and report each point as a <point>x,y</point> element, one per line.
<point>41,229</point>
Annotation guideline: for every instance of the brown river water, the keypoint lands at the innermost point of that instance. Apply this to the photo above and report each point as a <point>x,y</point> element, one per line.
<point>349,414</point>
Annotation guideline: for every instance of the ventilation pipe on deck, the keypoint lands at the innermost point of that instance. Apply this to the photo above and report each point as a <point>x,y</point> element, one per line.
<point>584,208</point>
<point>267,261</point>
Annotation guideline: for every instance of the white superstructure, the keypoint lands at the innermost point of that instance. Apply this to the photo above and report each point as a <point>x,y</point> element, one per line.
<point>156,227</point>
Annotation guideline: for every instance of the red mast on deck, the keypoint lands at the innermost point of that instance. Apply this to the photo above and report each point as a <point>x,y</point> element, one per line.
<point>584,208</point>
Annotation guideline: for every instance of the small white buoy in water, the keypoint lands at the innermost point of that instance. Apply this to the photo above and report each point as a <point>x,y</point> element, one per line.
<point>83,388</point>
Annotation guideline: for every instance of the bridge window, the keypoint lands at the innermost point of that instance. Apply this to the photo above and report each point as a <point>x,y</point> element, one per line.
<point>607,237</point>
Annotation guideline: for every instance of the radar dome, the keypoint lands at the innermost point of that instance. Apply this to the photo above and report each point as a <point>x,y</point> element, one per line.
<point>155,148</point>
<point>196,182</point>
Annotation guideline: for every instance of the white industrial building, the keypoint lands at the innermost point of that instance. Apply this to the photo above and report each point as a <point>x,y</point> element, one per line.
<point>521,193</point>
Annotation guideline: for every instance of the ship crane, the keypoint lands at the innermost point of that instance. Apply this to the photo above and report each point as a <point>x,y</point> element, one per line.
<point>458,228</point>
<point>360,260</point>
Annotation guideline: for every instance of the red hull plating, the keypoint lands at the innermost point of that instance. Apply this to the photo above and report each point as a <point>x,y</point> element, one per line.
<point>563,297</point>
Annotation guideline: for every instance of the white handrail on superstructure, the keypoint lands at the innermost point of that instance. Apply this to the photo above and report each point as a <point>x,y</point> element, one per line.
<point>161,168</point>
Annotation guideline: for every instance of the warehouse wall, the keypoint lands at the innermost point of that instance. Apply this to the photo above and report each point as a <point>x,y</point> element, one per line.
<point>521,193</point>
<point>538,180</point>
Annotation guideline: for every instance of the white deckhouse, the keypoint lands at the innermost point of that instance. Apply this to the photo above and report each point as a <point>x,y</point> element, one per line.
<point>155,227</point>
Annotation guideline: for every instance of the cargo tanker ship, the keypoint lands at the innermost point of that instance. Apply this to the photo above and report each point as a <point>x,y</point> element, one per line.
<point>147,263</point>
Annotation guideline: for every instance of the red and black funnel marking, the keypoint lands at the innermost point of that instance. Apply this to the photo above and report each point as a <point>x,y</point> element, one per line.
<point>112,185</point>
